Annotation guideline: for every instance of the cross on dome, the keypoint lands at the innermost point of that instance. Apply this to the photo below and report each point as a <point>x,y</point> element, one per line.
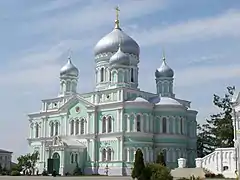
<point>117,18</point>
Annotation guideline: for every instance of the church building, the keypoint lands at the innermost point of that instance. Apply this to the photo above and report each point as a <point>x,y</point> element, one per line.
<point>100,131</point>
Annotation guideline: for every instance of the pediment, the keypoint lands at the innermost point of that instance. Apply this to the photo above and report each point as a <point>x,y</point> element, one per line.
<point>74,100</point>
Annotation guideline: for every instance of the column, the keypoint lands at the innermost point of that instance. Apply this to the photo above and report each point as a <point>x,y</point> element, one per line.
<point>88,123</point>
<point>118,148</point>
<point>150,123</point>
<point>141,124</point>
<point>146,154</point>
<point>94,123</point>
<point>93,150</point>
<point>128,154</point>
<point>88,150</point>
<point>128,123</point>
<point>117,121</point>
<point>121,120</point>
<point>147,123</point>
<point>151,155</point>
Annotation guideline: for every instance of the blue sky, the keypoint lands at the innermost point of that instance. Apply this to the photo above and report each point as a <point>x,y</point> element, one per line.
<point>201,40</point>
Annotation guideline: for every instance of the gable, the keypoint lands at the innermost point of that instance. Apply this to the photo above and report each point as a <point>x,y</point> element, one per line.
<point>76,99</point>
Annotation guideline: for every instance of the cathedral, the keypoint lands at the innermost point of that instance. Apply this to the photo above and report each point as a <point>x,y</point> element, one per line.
<point>100,131</point>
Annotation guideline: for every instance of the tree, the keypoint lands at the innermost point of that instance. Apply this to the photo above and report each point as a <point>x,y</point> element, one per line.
<point>157,172</point>
<point>28,161</point>
<point>218,130</point>
<point>161,159</point>
<point>139,165</point>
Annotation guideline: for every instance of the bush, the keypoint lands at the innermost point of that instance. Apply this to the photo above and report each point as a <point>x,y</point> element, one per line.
<point>219,176</point>
<point>4,173</point>
<point>157,172</point>
<point>210,175</point>
<point>161,159</point>
<point>139,165</point>
<point>15,173</point>
<point>44,173</point>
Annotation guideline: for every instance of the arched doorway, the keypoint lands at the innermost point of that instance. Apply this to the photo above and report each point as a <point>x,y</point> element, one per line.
<point>56,162</point>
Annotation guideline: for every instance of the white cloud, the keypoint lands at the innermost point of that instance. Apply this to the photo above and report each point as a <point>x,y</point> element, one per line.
<point>205,74</point>
<point>94,15</point>
<point>224,25</point>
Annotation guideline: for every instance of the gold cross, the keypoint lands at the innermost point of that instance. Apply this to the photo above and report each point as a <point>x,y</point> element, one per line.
<point>117,12</point>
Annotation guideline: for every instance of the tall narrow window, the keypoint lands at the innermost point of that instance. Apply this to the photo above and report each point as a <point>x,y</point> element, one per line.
<point>77,127</point>
<point>164,125</point>
<point>68,86</point>
<point>110,76</point>
<point>109,154</point>
<point>181,126</point>
<point>76,158</point>
<point>102,74</point>
<point>51,129</point>
<point>165,155</point>
<point>37,131</point>
<point>72,127</point>
<point>132,74</point>
<point>138,123</point>
<point>104,155</point>
<point>72,158</point>
<point>104,125</point>
<point>109,124</point>
<point>82,126</point>
<point>56,128</point>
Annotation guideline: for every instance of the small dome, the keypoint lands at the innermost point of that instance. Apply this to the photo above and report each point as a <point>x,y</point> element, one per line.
<point>111,41</point>
<point>165,101</point>
<point>164,70</point>
<point>119,58</point>
<point>69,69</point>
<point>140,99</point>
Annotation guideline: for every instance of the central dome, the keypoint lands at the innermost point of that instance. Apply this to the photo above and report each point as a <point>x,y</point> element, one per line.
<point>110,43</point>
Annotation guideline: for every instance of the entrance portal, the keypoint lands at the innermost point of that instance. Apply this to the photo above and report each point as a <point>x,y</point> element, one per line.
<point>56,162</point>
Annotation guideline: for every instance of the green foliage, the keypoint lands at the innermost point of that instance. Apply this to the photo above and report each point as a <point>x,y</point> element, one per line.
<point>1,169</point>
<point>77,171</point>
<point>138,165</point>
<point>15,173</point>
<point>44,173</point>
<point>157,172</point>
<point>161,159</point>
<point>28,161</point>
<point>218,130</point>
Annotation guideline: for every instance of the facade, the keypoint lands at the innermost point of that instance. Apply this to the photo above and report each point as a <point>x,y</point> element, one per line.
<point>100,131</point>
<point>5,159</point>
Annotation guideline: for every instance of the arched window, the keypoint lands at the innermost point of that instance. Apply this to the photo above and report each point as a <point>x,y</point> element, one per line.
<point>102,75</point>
<point>37,131</point>
<point>104,155</point>
<point>56,128</point>
<point>76,158</point>
<point>51,129</point>
<point>72,127</point>
<point>77,127</point>
<point>68,86</point>
<point>109,154</point>
<point>165,155</point>
<point>72,158</point>
<point>82,126</point>
<point>132,74</point>
<point>138,123</point>
<point>109,124</point>
<point>164,125</point>
<point>104,125</point>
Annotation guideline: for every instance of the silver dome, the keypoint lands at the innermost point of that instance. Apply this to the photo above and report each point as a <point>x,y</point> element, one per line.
<point>119,58</point>
<point>164,70</point>
<point>69,69</point>
<point>110,42</point>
